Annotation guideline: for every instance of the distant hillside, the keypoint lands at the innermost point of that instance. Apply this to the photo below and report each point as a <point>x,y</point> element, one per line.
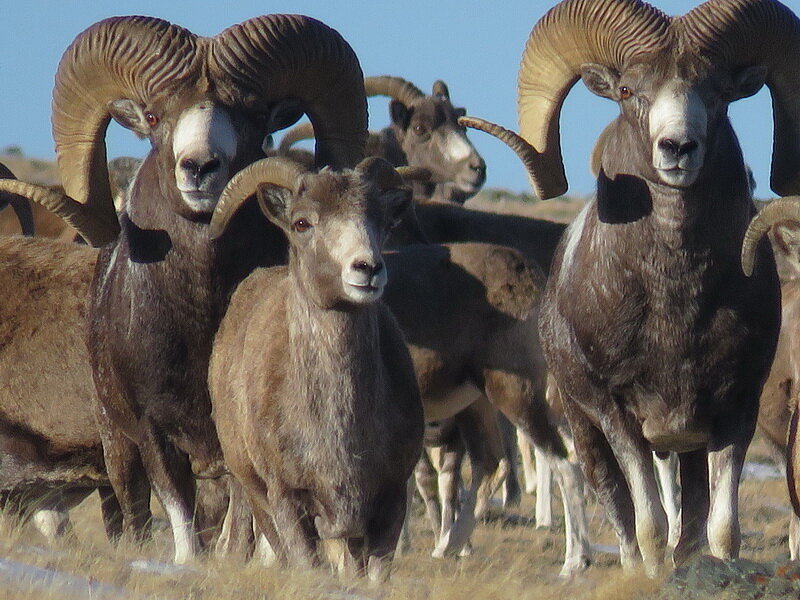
<point>32,170</point>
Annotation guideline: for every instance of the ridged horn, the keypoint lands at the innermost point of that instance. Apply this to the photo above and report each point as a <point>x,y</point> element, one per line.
<point>276,57</point>
<point>525,151</point>
<point>304,131</point>
<point>80,216</point>
<point>573,33</point>
<point>274,170</point>
<point>123,57</point>
<point>393,87</point>
<point>742,33</point>
<point>777,210</point>
<point>20,204</point>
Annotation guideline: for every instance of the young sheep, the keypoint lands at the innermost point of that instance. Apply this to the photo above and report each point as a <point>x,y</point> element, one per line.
<point>313,390</point>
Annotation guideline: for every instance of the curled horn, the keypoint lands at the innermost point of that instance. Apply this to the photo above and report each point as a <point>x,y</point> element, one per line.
<point>525,151</point>
<point>777,210</point>
<point>304,131</point>
<point>278,171</point>
<point>573,33</point>
<point>122,57</point>
<point>742,33</point>
<point>20,204</point>
<point>78,215</point>
<point>291,57</point>
<point>394,87</point>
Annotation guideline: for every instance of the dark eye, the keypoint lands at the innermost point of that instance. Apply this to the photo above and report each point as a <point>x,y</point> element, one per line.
<point>151,119</point>
<point>301,225</point>
<point>420,129</point>
<point>625,92</point>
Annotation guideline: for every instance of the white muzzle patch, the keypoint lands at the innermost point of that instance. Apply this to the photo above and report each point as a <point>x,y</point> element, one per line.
<point>678,126</point>
<point>204,144</point>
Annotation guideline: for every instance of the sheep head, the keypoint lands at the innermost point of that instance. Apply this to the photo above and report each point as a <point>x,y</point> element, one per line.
<point>205,104</point>
<point>429,134</point>
<point>335,221</point>
<point>672,76</point>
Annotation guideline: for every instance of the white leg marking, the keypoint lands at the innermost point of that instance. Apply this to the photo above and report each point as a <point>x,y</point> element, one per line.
<point>528,466</point>
<point>667,471</point>
<point>182,530</point>
<point>544,491</point>
<point>724,535</point>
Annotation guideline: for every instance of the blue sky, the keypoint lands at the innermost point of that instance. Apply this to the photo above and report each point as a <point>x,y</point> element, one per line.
<point>475,47</point>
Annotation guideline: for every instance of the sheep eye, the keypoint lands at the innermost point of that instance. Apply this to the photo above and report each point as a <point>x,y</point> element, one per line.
<point>625,92</point>
<point>151,119</point>
<point>420,129</point>
<point>301,225</point>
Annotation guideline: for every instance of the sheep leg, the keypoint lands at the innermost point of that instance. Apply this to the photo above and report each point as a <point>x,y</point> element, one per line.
<point>455,530</point>
<point>528,464</point>
<point>694,506</point>
<point>544,494</point>
<point>667,472</point>
<point>602,471</point>
<point>794,536</point>
<point>725,468</point>
<point>236,536</point>
<point>112,512</point>
<point>383,532</point>
<point>171,477</point>
<point>512,494</point>
<point>128,478</point>
<point>525,404</point>
<point>636,461</point>
<point>404,543</point>
<point>425,477</point>
<point>483,439</point>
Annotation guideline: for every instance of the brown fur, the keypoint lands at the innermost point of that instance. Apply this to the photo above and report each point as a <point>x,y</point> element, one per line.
<point>315,399</point>
<point>51,452</point>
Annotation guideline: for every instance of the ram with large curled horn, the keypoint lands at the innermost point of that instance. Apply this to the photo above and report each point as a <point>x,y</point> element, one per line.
<point>655,337</point>
<point>161,284</point>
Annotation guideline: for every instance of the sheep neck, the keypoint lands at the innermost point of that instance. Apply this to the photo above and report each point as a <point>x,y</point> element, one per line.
<point>332,356</point>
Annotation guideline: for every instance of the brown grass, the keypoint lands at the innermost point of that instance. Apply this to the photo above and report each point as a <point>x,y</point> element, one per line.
<point>511,559</point>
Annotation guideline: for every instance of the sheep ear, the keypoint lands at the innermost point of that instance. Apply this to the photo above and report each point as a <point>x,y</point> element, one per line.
<point>400,114</point>
<point>284,114</point>
<point>601,80</point>
<point>748,81</point>
<point>787,240</point>
<point>397,206</point>
<point>275,203</point>
<point>130,115</point>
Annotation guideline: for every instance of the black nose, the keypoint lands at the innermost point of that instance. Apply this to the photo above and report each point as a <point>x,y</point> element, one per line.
<point>198,170</point>
<point>677,149</point>
<point>363,266</point>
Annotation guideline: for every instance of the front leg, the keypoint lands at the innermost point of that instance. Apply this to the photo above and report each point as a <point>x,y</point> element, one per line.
<point>171,477</point>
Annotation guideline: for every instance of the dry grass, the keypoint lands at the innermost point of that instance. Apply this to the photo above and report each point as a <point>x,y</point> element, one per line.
<point>511,559</point>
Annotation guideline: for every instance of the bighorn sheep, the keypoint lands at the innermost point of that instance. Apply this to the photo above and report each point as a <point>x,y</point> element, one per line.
<point>314,393</point>
<point>161,285</point>
<point>780,397</point>
<point>656,339</point>
<point>475,336</point>
<point>424,132</point>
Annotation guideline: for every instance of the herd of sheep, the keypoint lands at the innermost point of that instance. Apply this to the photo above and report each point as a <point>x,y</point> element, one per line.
<point>279,343</point>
